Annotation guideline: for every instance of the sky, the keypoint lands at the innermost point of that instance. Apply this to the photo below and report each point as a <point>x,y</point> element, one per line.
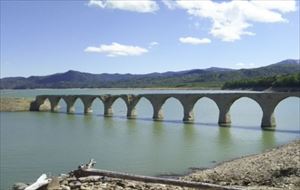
<point>144,36</point>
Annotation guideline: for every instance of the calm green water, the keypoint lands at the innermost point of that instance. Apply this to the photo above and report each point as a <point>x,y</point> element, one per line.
<point>40,142</point>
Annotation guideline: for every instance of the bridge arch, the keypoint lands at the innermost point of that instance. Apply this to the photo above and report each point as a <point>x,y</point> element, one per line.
<point>119,106</point>
<point>144,107</point>
<point>287,112</point>
<point>61,105</point>
<point>97,106</point>
<point>53,101</point>
<point>173,108</point>
<point>78,106</point>
<point>206,110</point>
<point>70,101</point>
<point>250,115</point>
<point>87,101</point>
<point>157,103</point>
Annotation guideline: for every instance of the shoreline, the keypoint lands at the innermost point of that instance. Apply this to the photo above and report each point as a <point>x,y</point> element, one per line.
<point>274,169</point>
<point>262,89</point>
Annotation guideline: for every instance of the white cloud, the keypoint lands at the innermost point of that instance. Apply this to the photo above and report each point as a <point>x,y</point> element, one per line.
<point>171,4</point>
<point>142,6</point>
<point>244,65</point>
<point>194,41</point>
<point>231,20</point>
<point>116,49</point>
<point>280,5</point>
<point>151,44</point>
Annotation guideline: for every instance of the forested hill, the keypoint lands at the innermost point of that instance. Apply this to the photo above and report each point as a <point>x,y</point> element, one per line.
<point>286,82</point>
<point>190,78</point>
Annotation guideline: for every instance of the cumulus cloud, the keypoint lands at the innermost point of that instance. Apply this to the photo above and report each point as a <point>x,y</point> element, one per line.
<point>142,6</point>
<point>116,49</point>
<point>232,19</point>
<point>194,41</point>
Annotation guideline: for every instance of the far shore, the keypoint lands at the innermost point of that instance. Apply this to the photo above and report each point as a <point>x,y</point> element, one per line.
<point>270,89</point>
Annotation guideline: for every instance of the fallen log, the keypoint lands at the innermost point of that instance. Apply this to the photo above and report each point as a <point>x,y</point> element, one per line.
<point>89,171</point>
<point>41,181</point>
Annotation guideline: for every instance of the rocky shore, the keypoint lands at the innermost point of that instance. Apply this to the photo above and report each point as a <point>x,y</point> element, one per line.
<point>278,168</point>
<point>274,169</point>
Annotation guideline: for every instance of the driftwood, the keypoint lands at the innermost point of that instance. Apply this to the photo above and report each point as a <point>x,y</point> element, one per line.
<point>87,170</point>
<point>89,165</point>
<point>41,181</point>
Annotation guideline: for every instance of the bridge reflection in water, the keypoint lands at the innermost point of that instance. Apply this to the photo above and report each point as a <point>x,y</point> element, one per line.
<point>266,100</point>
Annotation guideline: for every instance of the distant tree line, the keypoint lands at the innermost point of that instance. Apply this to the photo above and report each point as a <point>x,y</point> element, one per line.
<point>277,81</point>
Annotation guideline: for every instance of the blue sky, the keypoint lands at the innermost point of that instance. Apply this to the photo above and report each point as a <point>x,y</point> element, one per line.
<point>99,36</point>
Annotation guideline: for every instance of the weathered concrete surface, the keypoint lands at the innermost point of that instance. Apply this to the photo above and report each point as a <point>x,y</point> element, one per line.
<point>266,100</point>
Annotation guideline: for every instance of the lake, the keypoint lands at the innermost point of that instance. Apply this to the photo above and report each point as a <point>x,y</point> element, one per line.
<point>33,143</point>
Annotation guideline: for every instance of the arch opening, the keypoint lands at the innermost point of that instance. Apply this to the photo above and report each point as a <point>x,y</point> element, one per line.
<point>144,108</point>
<point>78,106</point>
<point>246,112</point>
<point>287,113</point>
<point>119,107</point>
<point>61,106</point>
<point>206,111</point>
<point>172,109</point>
<point>98,107</point>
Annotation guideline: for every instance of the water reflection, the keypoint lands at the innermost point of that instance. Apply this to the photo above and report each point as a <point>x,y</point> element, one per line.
<point>224,136</point>
<point>189,133</point>
<point>268,139</point>
<point>157,128</point>
<point>132,128</point>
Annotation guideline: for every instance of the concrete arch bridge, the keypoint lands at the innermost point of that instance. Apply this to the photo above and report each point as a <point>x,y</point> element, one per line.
<point>266,100</point>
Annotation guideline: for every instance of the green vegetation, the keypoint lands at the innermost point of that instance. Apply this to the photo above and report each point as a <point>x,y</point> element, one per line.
<point>197,78</point>
<point>277,81</point>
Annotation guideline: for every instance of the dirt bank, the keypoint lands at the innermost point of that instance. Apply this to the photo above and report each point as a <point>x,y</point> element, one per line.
<point>8,104</point>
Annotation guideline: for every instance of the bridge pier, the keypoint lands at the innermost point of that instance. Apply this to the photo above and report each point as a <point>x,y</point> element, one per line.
<point>188,102</point>
<point>157,103</point>
<point>268,120</point>
<point>87,103</point>
<point>224,103</point>
<point>131,101</point>
<point>188,116</point>
<point>268,104</point>
<point>54,103</point>
<point>108,102</point>
<point>108,112</point>
<point>157,114</point>
<point>70,101</point>
<point>35,105</point>
<point>224,117</point>
<point>131,112</point>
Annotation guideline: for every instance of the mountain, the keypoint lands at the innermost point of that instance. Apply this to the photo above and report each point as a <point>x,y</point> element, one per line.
<point>188,78</point>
